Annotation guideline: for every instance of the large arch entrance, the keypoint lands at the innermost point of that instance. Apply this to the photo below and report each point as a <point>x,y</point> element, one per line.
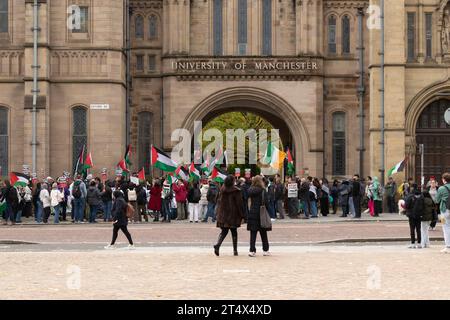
<point>263,103</point>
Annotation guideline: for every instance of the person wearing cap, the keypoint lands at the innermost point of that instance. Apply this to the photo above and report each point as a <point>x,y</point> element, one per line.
<point>56,199</point>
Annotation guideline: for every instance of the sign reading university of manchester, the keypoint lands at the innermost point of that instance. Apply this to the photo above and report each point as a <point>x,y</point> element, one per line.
<point>231,68</point>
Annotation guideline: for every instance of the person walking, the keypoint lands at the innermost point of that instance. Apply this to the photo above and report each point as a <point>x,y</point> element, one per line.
<point>120,220</point>
<point>426,219</point>
<point>106,196</point>
<point>56,199</point>
<point>443,200</point>
<point>415,205</point>
<point>230,213</point>
<point>46,202</point>
<point>193,197</point>
<point>180,196</point>
<point>258,197</point>
<point>211,197</point>
<point>93,200</point>
<point>155,199</point>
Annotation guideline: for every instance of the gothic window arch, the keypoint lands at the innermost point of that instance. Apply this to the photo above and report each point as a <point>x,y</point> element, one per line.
<point>218,27</point>
<point>345,34</point>
<point>153,27</point>
<point>139,27</point>
<point>267,27</point>
<point>339,143</point>
<point>145,130</point>
<point>4,16</point>
<point>332,34</point>
<point>79,132</point>
<point>4,141</point>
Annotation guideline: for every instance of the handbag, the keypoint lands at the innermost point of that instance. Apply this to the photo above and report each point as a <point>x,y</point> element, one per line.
<point>266,222</point>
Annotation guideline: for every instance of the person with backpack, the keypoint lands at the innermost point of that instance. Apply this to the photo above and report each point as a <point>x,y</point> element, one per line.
<point>443,200</point>
<point>194,196</point>
<point>79,194</point>
<point>142,202</point>
<point>415,205</point>
<point>211,197</point>
<point>131,198</point>
<point>428,213</point>
<point>120,220</point>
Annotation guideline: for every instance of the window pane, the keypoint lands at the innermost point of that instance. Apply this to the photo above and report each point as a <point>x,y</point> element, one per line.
<point>217,27</point>
<point>84,20</point>
<point>339,144</point>
<point>79,138</point>
<point>345,35</point>
<point>429,33</point>
<point>153,26</point>
<point>242,24</point>
<point>267,27</point>
<point>3,121</point>
<point>411,35</point>
<point>144,139</point>
<point>140,63</point>
<point>3,15</point>
<point>332,35</point>
<point>152,63</point>
<point>3,141</point>
<point>139,27</point>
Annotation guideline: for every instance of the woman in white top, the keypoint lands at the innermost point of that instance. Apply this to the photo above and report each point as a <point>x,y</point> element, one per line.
<point>44,196</point>
<point>56,197</point>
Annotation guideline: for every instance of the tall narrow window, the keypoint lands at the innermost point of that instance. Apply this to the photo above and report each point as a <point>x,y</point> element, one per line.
<point>242,27</point>
<point>332,35</point>
<point>4,141</point>
<point>267,27</point>
<point>151,63</point>
<point>346,35</point>
<point>153,27</point>
<point>4,18</point>
<point>339,143</point>
<point>218,27</point>
<point>411,36</point>
<point>84,20</point>
<point>144,139</point>
<point>139,27</point>
<point>79,133</point>
<point>139,62</point>
<point>429,35</point>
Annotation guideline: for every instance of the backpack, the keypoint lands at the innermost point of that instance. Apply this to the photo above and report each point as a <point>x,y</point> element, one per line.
<point>132,195</point>
<point>76,192</point>
<point>196,195</point>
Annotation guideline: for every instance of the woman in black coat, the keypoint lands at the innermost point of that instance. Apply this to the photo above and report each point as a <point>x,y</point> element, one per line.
<point>256,193</point>
<point>230,213</point>
<point>119,213</point>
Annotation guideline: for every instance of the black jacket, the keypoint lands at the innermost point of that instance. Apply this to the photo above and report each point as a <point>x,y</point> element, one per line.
<point>279,192</point>
<point>254,220</point>
<point>119,212</point>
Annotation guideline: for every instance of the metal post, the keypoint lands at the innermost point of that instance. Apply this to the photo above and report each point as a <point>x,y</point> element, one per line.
<point>128,73</point>
<point>35,90</point>
<point>422,156</point>
<point>382,116</point>
<point>361,91</point>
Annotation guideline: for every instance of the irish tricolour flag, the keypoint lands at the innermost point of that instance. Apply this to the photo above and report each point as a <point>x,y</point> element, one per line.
<point>274,157</point>
<point>399,167</point>
<point>162,161</point>
<point>19,179</point>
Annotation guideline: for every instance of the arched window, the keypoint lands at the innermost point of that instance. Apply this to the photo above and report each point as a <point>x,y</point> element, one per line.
<point>339,143</point>
<point>332,34</point>
<point>79,133</point>
<point>218,27</point>
<point>4,16</point>
<point>139,27</point>
<point>153,27</point>
<point>242,27</point>
<point>345,35</point>
<point>4,141</point>
<point>267,27</point>
<point>144,140</point>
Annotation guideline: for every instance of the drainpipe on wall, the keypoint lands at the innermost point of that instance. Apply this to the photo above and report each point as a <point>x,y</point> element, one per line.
<point>382,115</point>
<point>128,73</point>
<point>35,90</point>
<point>361,91</point>
<point>162,114</point>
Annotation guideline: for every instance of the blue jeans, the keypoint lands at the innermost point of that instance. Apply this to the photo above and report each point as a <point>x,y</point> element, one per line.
<point>79,209</point>
<point>313,208</point>
<point>107,205</point>
<point>57,210</point>
<point>210,212</point>
<point>9,213</point>
<point>38,214</point>
<point>93,213</point>
<point>19,216</point>
<point>165,209</point>
<point>351,206</point>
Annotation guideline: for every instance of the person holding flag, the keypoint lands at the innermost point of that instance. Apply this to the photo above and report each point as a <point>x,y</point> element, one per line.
<point>125,163</point>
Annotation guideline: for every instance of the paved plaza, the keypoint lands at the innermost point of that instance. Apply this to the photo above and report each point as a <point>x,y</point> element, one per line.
<point>324,259</point>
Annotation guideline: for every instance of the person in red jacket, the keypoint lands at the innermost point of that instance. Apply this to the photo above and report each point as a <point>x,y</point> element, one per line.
<point>155,199</point>
<point>180,189</point>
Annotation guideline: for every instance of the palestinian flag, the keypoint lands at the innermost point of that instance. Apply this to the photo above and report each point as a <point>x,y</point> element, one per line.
<point>162,161</point>
<point>19,179</point>
<point>194,174</point>
<point>290,166</point>
<point>125,162</point>
<point>88,162</point>
<point>2,207</point>
<point>217,176</point>
<point>172,179</point>
<point>182,173</point>
<point>217,159</point>
<point>141,175</point>
<point>399,167</point>
<point>205,165</point>
<point>274,156</point>
<point>80,161</point>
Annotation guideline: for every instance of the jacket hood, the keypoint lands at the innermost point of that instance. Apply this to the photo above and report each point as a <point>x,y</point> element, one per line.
<point>230,190</point>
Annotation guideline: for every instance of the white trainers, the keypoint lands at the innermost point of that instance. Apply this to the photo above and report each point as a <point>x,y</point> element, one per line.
<point>412,246</point>
<point>131,247</point>
<point>418,246</point>
<point>267,254</point>
<point>110,247</point>
<point>445,250</point>
<point>252,254</point>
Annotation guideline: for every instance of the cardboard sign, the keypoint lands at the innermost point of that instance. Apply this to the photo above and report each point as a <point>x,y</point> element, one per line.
<point>292,190</point>
<point>248,173</point>
<point>237,172</point>
<point>134,180</point>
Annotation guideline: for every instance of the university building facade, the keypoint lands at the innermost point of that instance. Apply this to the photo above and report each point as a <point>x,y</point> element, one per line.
<point>310,67</point>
